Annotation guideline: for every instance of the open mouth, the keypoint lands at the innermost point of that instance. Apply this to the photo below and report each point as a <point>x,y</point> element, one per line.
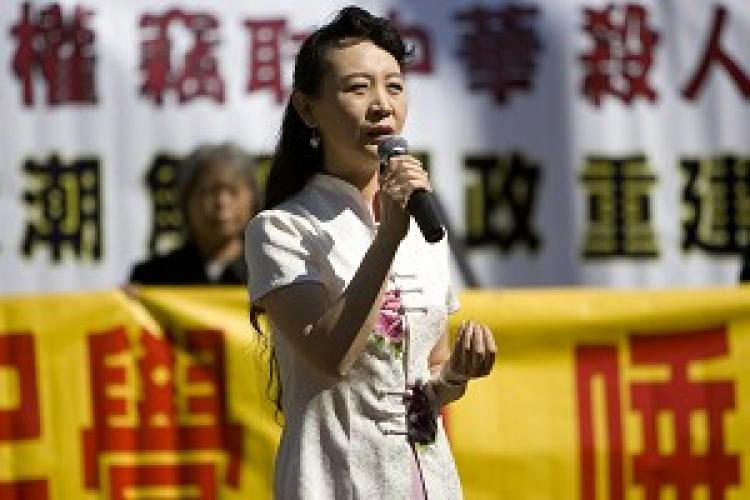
<point>376,134</point>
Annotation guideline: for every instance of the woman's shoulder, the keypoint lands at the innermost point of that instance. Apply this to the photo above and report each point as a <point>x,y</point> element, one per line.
<point>301,209</point>
<point>289,217</point>
<point>284,214</point>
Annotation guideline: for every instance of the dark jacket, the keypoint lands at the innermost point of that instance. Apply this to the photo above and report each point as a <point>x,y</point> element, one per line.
<point>185,266</point>
<point>745,272</point>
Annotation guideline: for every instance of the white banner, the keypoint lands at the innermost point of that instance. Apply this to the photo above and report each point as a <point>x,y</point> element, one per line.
<point>570,142</point>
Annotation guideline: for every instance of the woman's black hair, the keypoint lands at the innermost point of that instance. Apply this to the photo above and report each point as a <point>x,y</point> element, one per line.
<point>295,161</point>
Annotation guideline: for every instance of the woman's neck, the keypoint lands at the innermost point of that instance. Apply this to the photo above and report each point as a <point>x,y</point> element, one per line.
<point>370,189</point>
<point>367,183</point>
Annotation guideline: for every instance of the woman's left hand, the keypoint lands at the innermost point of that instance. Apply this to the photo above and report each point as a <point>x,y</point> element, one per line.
<point>473,353</point>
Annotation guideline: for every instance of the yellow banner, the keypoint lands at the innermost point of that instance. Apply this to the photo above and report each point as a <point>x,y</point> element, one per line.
<point>596,395</point>
<point>609,395</point>
<point>103,398</point>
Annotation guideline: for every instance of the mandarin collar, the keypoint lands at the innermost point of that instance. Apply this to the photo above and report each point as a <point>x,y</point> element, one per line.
<point>342,187</point>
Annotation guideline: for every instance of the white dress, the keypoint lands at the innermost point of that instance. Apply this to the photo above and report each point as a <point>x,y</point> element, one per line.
<point>345,439</point>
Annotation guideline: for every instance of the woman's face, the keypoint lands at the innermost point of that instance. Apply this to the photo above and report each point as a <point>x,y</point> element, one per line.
<point>220,205</point>
<point>362,99</point>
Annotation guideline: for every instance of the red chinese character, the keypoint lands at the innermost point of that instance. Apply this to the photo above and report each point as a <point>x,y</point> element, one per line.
<point>417,39</point>
<point>500,49</point>
<point>600,362</point>
<point>621,58</point>
<point>24,489</point>
<point>714,53</point>
<point>61,49</point>
<point>682,397</point>
<point>179,407</point>
<point>197,75</point>
<point>268,40</point>
<point>23,421</point>
<point>194,480</point>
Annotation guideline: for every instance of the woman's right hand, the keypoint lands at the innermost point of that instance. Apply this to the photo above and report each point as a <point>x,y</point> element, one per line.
<point>403,176</point>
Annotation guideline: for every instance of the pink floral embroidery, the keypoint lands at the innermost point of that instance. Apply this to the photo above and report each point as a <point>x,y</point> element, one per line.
<point>389,329</point>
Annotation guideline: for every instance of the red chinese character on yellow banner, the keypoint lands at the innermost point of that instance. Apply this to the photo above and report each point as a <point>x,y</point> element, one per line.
<point>598,388</point>
<point>680,399</point>
<point>19,414</point>
<point>189,481</point>
<point>683,398</point>
<point>622,53</point>
<point>715,53</point>
<point>24,489</point>
<point>160,396</point>
<point>193,71</point>
<point>20,418</point>
<point>60,49</point>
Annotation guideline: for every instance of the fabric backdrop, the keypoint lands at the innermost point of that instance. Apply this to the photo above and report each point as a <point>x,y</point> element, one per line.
<point>570,142</point>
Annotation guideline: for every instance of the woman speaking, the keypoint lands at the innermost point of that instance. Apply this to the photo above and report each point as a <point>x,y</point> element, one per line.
<point>356,298</point>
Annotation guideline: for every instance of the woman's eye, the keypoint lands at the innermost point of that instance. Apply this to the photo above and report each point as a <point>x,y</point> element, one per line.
<point>395,87</point>
<point>357,87</point>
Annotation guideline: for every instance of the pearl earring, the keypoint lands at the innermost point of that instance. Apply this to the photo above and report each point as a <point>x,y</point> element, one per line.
<point>314,139</point>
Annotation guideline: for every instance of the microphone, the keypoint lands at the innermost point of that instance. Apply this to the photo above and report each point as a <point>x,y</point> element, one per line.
<point>421,203</point>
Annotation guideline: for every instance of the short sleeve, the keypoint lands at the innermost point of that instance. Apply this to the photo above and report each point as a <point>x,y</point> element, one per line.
<point>278,252</point>
<point>452,304</point>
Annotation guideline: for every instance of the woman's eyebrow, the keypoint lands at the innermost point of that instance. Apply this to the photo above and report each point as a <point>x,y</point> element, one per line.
<point>357,74</point>
<point>365,74</point>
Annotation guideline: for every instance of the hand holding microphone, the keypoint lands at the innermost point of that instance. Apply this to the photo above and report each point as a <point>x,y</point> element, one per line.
<point>420,204</point>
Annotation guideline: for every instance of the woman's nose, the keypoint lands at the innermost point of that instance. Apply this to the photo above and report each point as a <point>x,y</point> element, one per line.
<point>381,103</point>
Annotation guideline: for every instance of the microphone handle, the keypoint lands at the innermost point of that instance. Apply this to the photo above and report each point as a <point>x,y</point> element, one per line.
<point>421,206</point>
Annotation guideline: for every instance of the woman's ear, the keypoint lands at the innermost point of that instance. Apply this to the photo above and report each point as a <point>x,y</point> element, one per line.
<point>304,107</point>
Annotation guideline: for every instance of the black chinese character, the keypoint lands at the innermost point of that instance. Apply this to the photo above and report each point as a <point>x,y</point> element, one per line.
<point>500,201</point>
<point>63,207</point>
<point>717,198</point>
<point>619,207</point>
<point>167,227</point>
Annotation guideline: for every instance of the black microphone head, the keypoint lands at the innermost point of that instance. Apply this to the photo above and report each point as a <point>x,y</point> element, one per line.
<point>391,145</point>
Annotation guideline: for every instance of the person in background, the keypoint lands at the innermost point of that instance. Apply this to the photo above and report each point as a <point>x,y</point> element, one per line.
<point>745,267</point>
<point>357,300</point>
<point>217,194</point>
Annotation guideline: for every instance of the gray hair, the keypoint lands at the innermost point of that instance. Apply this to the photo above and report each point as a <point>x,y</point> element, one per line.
<point>203,158</point>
